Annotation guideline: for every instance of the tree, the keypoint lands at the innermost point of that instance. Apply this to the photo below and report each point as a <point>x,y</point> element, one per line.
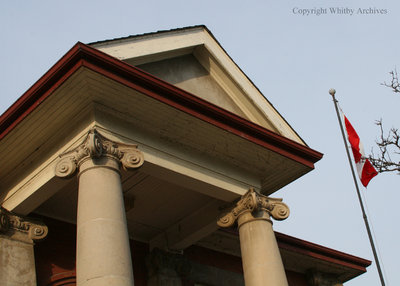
<point>388,158</point>
<point>389,150</point>
<point>394,83</point>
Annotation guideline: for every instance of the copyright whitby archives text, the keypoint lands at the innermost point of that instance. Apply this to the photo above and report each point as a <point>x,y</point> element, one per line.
<point>338,11</point>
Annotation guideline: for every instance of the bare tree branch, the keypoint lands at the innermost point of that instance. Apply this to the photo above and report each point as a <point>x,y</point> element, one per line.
<point>394,82</point>
<point>388,157</point>
<point>390,144</point>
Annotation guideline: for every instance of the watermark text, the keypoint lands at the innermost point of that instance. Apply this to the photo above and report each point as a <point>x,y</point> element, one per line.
<point>318,11</point>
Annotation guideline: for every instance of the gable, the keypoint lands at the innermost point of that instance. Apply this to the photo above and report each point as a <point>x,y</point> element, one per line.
<point>191,58</point>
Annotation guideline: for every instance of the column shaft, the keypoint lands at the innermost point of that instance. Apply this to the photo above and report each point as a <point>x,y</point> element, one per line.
<point>103,253</point>
<point>17,260</point>
<point>103,256</point>
<point>262,263</point>
<point>17,263</point>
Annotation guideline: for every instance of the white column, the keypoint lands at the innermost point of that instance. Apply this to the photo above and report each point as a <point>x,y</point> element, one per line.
<point>262,262</point>
<point>103,255</point>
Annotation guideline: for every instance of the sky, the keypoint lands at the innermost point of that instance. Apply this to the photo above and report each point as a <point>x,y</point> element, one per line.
<point>294,52</point>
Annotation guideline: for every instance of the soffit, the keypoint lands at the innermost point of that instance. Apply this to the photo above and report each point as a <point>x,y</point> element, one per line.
<point>152,205</point>
<point>45,130</point>
<point>192,134</point>
<point>64,102</point>
<point>73,104</point>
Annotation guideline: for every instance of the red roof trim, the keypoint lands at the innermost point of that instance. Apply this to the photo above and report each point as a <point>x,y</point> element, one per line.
<point>82,55</point>
<point>37,93</point>
<point>321,252</point>
<point>317,251</point>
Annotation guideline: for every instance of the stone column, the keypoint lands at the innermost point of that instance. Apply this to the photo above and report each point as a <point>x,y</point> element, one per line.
<point>262,263</point>
<point>103,255</point>
<point>17,236</point>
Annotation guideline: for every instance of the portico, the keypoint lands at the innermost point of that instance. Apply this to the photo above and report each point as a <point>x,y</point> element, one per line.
<point>153,139</point>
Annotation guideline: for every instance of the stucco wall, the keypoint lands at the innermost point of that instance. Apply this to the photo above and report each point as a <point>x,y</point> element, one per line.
<point>187,73</point>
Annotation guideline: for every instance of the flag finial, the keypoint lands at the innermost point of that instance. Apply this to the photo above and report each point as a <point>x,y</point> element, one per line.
<point>332,91</point>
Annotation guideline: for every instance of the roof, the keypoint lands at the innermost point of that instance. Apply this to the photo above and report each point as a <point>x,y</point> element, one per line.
<point>82,55</point>
<point>151,33</point>
<point>201,43</point>
<point>298,255</point>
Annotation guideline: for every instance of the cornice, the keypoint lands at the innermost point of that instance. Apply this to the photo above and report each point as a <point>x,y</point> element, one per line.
<point>315,251</point>
<point>321,252</point>
<point>82,55</point>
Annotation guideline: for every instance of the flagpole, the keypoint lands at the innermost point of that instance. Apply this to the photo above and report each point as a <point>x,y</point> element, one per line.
<point>371,240</point>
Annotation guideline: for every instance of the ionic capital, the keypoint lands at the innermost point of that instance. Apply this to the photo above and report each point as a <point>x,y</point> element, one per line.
<point>21,228</point>
<point>96,145</point>
<point>253,202</point>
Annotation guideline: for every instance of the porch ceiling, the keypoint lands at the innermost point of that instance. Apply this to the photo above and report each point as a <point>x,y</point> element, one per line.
<point>152,205</point>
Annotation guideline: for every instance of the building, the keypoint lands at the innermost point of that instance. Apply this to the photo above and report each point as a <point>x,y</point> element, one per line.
<point>145,159</point>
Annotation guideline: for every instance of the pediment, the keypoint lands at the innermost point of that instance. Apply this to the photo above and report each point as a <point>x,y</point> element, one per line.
<point>192,59</point>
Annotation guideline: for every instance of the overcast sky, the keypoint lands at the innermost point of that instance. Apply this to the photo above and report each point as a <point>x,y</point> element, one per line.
<point>294,53</point>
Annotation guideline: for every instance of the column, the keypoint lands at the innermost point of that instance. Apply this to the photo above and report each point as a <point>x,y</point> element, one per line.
<point>17,237</point>
<point>103,255</point>
<point>262,263</point>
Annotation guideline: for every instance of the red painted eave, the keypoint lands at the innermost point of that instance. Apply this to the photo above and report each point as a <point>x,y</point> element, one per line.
<point>321,252</point>
<point>316,251</point>
<point>82,55</point>
<point>38,92</point>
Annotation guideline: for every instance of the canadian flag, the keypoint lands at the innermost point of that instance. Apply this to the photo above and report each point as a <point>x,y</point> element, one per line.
<point>364,167</point>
